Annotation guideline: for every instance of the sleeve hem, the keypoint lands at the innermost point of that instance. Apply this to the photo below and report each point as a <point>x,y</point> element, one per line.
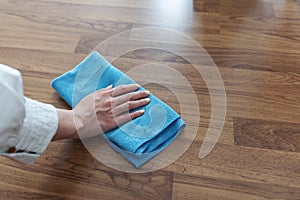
<point>39,127</point>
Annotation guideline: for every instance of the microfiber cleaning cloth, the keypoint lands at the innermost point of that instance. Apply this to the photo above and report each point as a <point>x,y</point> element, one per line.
<point>138,140</point>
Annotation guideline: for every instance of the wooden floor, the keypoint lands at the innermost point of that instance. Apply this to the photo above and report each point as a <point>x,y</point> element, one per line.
<point>254,43</point>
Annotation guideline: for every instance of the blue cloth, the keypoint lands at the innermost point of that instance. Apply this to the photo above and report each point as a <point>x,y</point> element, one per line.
<point>138,140</point>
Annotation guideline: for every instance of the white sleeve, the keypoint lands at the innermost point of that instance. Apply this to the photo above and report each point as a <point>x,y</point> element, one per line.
<point>26,126</point>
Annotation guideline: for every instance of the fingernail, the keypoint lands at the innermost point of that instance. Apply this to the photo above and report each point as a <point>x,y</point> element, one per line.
<point>110,86</point>
<point>147,92</point>
<point>147,100</point>
<point>142,111</point>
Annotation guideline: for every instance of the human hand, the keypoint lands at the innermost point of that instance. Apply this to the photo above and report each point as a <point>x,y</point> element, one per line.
<point>101,111</point>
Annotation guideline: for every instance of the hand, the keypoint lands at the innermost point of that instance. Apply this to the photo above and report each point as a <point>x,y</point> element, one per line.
<point>101,111</point>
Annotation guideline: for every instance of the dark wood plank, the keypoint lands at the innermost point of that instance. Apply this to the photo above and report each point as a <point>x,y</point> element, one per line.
<point>247,9</point>
<point>267,134</point>
<point>241,163</point>
<point>206,6</point>
<point>266,61</point>
<point>203,187</point>
<point>72,172</point>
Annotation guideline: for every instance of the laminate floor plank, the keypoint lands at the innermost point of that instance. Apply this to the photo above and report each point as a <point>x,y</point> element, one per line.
<point>255,45</point>
<point>267,134</point>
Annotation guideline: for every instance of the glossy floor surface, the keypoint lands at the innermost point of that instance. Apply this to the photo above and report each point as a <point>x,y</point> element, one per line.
<point>254,43</point>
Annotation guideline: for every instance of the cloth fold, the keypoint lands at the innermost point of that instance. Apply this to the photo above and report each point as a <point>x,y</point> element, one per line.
<point>138,140</point>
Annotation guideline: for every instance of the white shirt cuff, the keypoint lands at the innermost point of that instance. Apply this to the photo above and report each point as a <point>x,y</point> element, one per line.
<point>39,127</point>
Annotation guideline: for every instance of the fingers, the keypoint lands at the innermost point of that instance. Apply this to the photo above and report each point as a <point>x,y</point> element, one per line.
<point>130,97</point>
<point>117,91</point>
<point>130,105</point>
<point>139,95</point>
<point>121,119</point>
<point>123,89</point>
<point>119,101</point>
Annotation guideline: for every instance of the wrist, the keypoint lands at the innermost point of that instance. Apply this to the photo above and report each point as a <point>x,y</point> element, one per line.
<point>66,125</point>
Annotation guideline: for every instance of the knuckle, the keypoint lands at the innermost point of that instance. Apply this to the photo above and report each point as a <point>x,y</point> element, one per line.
<point>133,115</point>
<point>99,92</point>
<point>109,122</point>
<point>114,102</point>
<point>99,95</point>
<point>129,97</point>
<point>130,104</point>
<point>105,94</point>
<point>124,118</point>
<point>109,113</point>
<point>97,107</point>
<point>108,102</point>
<point>98,99</point>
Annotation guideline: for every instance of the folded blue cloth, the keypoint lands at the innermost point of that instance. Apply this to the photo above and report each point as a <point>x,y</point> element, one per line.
<point>138,140</point>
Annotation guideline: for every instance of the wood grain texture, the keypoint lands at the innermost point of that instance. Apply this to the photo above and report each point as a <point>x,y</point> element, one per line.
<point>75,174</point>
<point>191,187</point>
<point>254,43</point>
<point>267,134</point>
